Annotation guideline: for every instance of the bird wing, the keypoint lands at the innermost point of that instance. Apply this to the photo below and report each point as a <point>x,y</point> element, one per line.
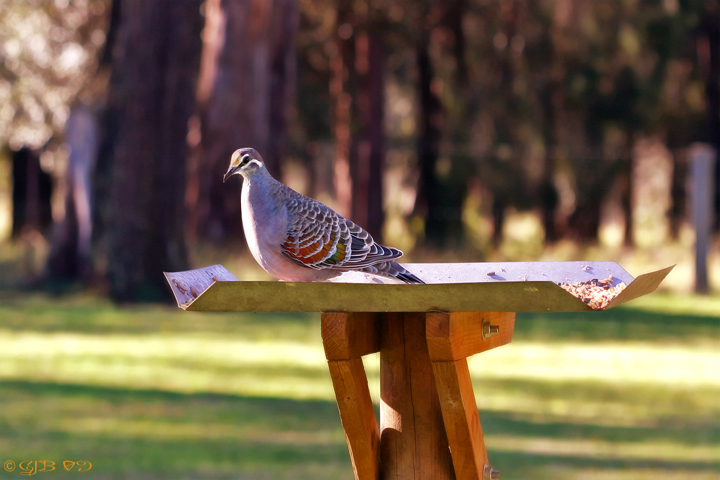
<point>319,238</point>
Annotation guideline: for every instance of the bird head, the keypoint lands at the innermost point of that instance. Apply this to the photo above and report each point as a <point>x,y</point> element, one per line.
<point>245,161</point>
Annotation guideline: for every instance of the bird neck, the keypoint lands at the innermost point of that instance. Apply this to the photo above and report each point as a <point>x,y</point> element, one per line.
<point>261,184</point>
<point>259,177</point>
<point>259,199</point>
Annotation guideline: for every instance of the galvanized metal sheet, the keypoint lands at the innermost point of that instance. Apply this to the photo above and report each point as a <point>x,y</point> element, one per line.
<point>500,287</point>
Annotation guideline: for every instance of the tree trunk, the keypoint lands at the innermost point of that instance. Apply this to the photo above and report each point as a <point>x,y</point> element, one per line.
<point>440,200</point>
<point>429,133</point>
<point>708,52</point>
<point>32,189</point>
<point>356,66</point>
<point>549,197</point>
<point>246,83</point>
<point>367,198</point>
<point>155,60</point>
<point>341,61</point>
<point>71,236</point>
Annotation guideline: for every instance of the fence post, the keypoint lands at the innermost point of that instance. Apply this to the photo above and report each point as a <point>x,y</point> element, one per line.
<point>702,159</point>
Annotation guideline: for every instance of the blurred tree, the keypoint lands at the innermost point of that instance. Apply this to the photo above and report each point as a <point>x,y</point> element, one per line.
<point>155,61</point>
<point>47,52</point>
<point>547,72</point>
<point>343,46</point>
<point>246,84</point>
<point>72,232</point>
<point>31,193</point>
<point>48,60</point>
<point>357,90</point>
<point>512,114</point>
<point>707,41</point>
<point>341,56</point>
<point>554,92</point>
<point>577,81</point>
<point>441,189</point>
<point>367,169</point>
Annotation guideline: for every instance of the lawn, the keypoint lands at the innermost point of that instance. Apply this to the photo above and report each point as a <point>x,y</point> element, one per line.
<point>152,392</point>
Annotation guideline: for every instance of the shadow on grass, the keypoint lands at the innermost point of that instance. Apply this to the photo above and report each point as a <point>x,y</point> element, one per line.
<point>155,434</point>
<point>523,465</point>
<point>675,430</point>
<point>38,312</point>
<point>622,323</point>
<point>159,435</point>
<point>88,314</point>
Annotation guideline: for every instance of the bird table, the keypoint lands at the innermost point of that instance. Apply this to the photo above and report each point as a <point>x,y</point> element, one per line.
<point>429,425</point>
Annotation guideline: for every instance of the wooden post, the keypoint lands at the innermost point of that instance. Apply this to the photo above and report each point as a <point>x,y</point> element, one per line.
<point>429,423</point>
<point>413,442</point>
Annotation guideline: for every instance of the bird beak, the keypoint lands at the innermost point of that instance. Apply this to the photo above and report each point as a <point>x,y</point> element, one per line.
<point>231,171</point>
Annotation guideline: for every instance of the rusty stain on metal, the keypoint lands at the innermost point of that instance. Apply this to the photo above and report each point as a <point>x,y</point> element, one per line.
<point>180,287</point>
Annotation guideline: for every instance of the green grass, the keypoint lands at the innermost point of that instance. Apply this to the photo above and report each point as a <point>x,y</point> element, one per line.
<point>152,392</point>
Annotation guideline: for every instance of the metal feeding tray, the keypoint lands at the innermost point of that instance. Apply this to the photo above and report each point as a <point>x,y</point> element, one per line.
<point>450,287</point>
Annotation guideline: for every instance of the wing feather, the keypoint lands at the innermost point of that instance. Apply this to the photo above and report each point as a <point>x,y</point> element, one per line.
<point>317,237</point>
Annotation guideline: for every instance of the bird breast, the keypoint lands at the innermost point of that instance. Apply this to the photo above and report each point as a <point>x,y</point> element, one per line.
<point>265,224</point>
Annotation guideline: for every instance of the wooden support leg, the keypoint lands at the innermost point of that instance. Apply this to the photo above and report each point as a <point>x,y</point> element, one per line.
<point>413,443</point>
<point>357,416</point>
<point>346,337</point>
<point>451,338</point>
<point>462,423</point>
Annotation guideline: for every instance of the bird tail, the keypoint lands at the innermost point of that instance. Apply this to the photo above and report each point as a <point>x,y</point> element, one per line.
<point>396,270</point>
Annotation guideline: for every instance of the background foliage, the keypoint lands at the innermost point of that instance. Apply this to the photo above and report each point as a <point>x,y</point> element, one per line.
<point>465,131</point>
<point>429,123</point>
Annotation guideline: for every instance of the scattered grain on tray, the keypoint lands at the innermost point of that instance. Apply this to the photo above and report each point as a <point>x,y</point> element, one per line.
<point>597,294</point>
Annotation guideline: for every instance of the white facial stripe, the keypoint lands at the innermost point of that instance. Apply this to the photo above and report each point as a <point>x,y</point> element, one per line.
<point>255,161</point>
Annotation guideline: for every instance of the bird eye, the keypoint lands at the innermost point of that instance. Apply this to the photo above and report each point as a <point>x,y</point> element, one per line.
<point>245,159</point>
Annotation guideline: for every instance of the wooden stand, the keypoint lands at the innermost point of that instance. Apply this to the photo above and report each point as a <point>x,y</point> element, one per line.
<point>429,423</point>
